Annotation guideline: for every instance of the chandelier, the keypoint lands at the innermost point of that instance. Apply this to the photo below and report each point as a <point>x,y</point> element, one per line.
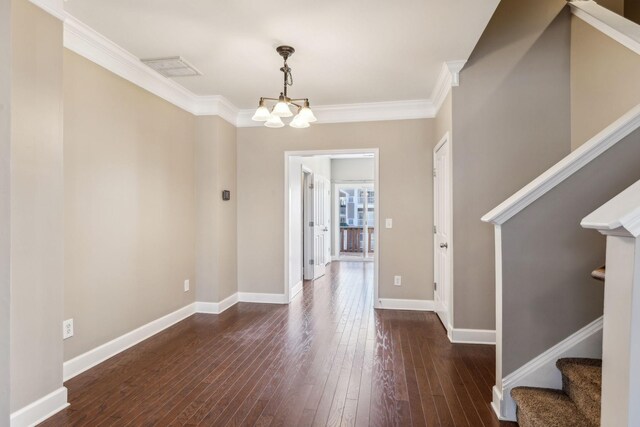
<point>273,118</point>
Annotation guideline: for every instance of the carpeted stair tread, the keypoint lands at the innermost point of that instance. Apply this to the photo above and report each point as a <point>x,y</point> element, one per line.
<point>585,371</point>
<point>543,407</point>
<point>582,382</point>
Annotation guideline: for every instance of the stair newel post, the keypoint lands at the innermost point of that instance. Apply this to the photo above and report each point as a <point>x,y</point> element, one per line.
<point>619,221</point>
<point>621,332</point>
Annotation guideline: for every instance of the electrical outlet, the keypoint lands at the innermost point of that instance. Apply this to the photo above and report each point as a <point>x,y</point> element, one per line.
<point>186,285</point>
<point>67,329</point>
<point>397,280</point>
<point>388,223</point>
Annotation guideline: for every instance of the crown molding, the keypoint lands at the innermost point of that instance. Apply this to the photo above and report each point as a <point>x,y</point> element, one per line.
<point>88,43</point>
<point>449,77</point>
<point>368,112</point>
<point>215,105</point>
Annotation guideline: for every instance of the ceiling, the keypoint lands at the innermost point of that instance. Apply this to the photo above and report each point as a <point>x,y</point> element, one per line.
<point>353,51</point>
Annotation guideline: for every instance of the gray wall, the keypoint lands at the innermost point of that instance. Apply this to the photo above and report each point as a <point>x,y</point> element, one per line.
<point>129,205</point>
<point>37,209</point>
<point>600,93</point>
<point>511,122</point>
<point>548,293</point>
<point>5,199</point>
<point>405,148</point>
<point>216,248</point>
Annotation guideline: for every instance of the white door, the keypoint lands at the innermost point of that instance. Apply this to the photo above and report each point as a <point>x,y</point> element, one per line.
<point>320,226</point>
<point>442,227</point>
<point>327,216</point>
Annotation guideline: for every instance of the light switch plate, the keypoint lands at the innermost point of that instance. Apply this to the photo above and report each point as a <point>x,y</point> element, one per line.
<point>186,285</point>
<point>388,223</point>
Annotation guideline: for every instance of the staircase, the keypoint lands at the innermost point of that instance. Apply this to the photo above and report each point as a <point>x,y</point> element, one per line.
<point>576,405</point>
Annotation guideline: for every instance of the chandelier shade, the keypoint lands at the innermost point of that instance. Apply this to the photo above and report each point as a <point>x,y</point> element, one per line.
<point>282,109</point>
<point>274,122</point>
<point>299,122</point>
<point>307,114</point>
<point>262,113</point>
<point>283,104</point>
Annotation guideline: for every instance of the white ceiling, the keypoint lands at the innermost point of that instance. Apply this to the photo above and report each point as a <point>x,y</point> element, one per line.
<point>349,51</point>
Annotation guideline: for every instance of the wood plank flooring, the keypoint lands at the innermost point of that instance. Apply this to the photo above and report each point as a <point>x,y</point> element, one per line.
<point>327,359</point>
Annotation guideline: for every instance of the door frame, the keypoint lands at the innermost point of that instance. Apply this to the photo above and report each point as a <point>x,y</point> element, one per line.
<point>335,256</point>
<point>287,222</point>
<point>450,310</point>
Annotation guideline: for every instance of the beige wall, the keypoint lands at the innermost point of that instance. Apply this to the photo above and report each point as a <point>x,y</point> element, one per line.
<point>600,93</point>
<point>352,170</point>
<point>405,148</point>
<point>511,122</point>
<point>129,205</point>
<point>5,200</point>
<point>37,211</point>
<point>548,292</point>
<point>215,170</point>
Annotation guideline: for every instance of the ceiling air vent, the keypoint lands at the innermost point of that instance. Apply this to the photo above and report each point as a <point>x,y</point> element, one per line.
<point>173,66</point>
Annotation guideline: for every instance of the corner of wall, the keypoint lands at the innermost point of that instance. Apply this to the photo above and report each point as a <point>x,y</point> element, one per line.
<point>216,219</point>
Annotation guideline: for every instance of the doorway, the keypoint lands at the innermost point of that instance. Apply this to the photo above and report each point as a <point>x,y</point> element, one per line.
<point>442,247</point>
<point>355,232</point>
<point>310,238</point>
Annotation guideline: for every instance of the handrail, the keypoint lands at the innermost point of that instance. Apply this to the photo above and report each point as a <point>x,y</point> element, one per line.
<point>623,211</point>
<point>617,27</point>
<point>566,167</point>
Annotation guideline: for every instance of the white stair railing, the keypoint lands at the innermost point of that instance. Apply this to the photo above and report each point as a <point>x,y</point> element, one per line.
<point>535,229</point>
<point>619,220</point>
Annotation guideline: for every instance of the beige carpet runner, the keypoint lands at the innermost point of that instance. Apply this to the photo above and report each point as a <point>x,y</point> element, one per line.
<point>576,405</point>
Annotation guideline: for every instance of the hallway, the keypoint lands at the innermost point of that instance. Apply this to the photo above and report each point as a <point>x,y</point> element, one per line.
<point>326,359</point>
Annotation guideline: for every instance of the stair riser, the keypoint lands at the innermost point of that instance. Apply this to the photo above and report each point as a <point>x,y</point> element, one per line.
<point>587,402</point>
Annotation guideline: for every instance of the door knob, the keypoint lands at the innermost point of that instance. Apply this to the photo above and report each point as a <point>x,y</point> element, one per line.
<point>444,245</point>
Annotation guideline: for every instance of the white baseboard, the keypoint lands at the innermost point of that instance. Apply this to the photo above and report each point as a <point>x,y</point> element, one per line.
<point>216,307</point>
<point>405,304</point>
<point>295,290</point>
<point>542,372</point>
<point>496,403</point>
<point>472,336</point>
<point>41,409</point>
<point>91,358</point>
<point>262,298</point>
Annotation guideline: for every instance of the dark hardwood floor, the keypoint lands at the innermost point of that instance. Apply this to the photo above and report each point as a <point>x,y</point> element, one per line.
<point>326,359</point>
